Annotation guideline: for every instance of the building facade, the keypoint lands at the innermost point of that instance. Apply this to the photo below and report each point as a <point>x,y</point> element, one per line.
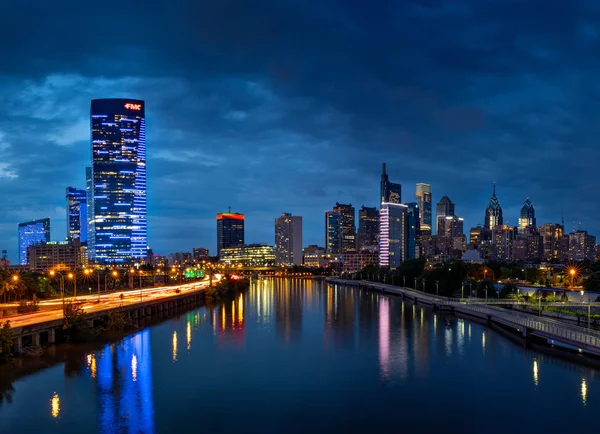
<point>582,246</point>
<point>200,253</point>
<point>493,213</point>
<point>356,261</point>
<point>393,222</point>
<point>30,233</point>
<point>423,195</point>
<point>527,217</point>
<point>118,182</point>
<point>443,209</point>
<point>333,232</point>
<point>503,239</point>
<point>76,206</point>
<point>252,255</point>
<point>368,228</point>
<point>413,231</point>
<point>551,234</point>
<point>288,240</point>
<point>348,226</point>
<point>63,255</point>
<point>230,231</point>
<point>390,192</point>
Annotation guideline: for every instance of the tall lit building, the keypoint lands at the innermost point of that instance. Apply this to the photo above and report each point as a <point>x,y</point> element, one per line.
<point>76,214</point>
<point>413,231</point>
<point>551,235</point>
<point>348,226</point>
<point>423,195</point>
<point>333,232</point>
<point>393,221</point>
<point>443,209</point>
<point>230,231</point>
<point>502,239</point>
<point>527,218</point>
<point>288,240</point>
<point>30,233</point>
<point>582,246</point>
<point>390,192</point>
<point>118,181</point>
<point>493,213</point>
<point>368,228</point>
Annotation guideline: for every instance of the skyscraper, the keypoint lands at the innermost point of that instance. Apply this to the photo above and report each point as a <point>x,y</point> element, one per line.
<point>390,192</point>
<point>118,181</point>
<point>527,218</point>
<point>348,226</point>
<point>551,235</point>
<point>443,209</point>
<point>89,205</point>
<point>30,233</point>
<point>393,246</point>
<point>230,231</point>
<point>413,233</point>
<point>288,240</point>
<point>333,232</point>
<point>368,228</point>
<point>493,213</point>
<point>76,214</point>
<point>423,195</point>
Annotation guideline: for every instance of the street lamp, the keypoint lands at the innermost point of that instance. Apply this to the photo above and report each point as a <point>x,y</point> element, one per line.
<point>404,281</point>
<point>62,285</point>
<point>572,273</point>
<point>72,276</point>
<point>87,272</point>
<point>437,287</point>
<point>114,274</point>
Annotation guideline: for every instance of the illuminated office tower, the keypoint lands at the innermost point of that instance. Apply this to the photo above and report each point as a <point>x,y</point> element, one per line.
<point>288,240</point>
<point>89,193</point>
<point>76,214</point>
<point>390,192</point>
<point>30,233</point>
<point>493,213</point>
<point>443,209</point>
<point>368,228</point>
<point>413,232</point>
<point>423,195</point>
<point>230,231</point>
<point>551,235</point>
<point>118,181</point>
<point>348,226</point>
<point>333,232</point>
<point>393,246</point>
<point>527,218</point>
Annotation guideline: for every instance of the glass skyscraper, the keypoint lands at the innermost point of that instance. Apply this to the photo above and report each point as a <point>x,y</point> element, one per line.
<point>230,231</point>
<point>393,233</point>
<point>423,195</point>
<point>348,226</point>
<point>413,230</point>
<point>493,213</point>
<point>527,218</point>
<point>76,214</point>
<point>30,233</point>
<point>390,192</point>
<point>333,232</point>
<point>118,181</point>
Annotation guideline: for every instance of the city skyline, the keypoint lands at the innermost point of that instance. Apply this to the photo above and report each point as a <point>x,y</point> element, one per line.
<point>247,112</point>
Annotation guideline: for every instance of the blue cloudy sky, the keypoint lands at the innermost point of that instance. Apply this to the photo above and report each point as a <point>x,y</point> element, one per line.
<point>272,106</point>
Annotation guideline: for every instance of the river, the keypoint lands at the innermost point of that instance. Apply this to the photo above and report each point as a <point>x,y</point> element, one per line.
<point>301,356</point>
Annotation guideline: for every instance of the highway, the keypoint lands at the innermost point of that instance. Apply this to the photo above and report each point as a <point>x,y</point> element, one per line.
<point>52,309</point>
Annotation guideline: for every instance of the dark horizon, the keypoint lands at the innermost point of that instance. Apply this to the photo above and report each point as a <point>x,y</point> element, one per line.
<point>248,109</point>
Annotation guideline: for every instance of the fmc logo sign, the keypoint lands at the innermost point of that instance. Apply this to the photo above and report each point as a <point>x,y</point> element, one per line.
<point>130,106</point>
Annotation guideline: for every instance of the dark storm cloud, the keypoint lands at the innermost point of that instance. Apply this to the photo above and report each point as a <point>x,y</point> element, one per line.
<point>272,106</point>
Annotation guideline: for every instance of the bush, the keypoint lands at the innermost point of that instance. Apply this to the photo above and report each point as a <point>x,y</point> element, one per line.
<point>6,341</point>
<point>28,306</point>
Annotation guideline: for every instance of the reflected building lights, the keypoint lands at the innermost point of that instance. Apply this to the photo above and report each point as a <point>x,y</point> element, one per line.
<point>384,336</point>
<point>175,346</point>
<point>434,322</point>
<point>133,367</point>
<point>584,391</point>
<point>469,332</point>
<point>188,335</point>
<point>483,342</point>
<point>55,405</point>
<point>535,373</point>
<point>91,364</point>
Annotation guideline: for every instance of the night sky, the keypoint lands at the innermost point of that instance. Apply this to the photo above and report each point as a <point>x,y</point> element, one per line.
<point>290,106</point>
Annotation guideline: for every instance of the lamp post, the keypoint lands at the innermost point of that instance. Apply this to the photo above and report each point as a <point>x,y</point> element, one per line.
<point>572,273</point>
<point>114,274</point>
<point>437,287</point>
<point>404,281</point>
<point>62,286</point>
<point>423,285</point>
<point>462,290</point>
<point>87,272</point>
<point>74,277</point>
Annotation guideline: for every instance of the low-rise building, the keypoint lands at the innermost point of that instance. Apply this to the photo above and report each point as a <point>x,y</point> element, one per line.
<point>252,255</point>
<point>55,255</point>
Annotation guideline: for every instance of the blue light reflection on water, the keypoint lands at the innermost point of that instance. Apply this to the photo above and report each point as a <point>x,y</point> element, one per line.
<point>298,356</point>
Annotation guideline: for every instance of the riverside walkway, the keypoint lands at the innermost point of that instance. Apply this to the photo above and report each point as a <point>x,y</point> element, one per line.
<point>554,332</point>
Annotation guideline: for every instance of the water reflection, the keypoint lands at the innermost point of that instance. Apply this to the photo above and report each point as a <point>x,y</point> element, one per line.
<point>55,405</point>
<point>584,391</point>
<point>124,385</point>
<point>535,372</point>
<point>384,337</point>
<point>174,346</point>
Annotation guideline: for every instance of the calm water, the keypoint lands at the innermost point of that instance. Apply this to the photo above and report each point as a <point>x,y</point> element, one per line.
<point>293,356</point>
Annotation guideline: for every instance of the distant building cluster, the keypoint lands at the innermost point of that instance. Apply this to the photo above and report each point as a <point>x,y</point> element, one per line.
<point>106,222</point>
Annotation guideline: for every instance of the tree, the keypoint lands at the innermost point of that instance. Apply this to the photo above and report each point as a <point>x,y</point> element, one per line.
<point>508,290</point>
<point>6,341</point>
